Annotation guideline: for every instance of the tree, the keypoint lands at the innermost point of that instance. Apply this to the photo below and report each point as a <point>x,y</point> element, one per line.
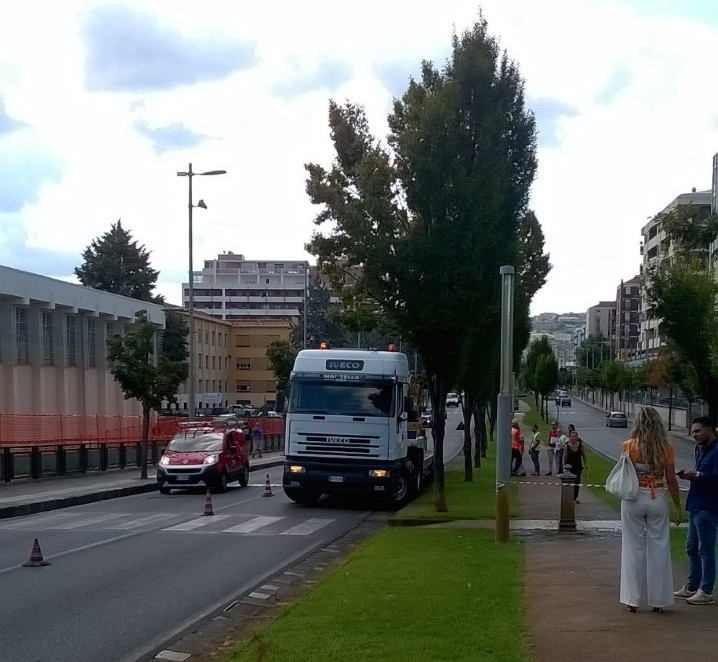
<point>419,229</point>
<point>546,379</point>
<point>117,264</point>
<point>530,368</point>
<point>324,321</point>
<point>281,356</point>
<point>143,378</point>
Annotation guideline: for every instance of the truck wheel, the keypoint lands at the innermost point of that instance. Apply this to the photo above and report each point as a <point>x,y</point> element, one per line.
<point>401,490</point>
<point>302,497</point>
<point>244,476</point>
<point>417,475</point>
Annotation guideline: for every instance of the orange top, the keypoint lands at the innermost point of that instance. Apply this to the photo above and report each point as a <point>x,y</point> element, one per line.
<point>644,472</point>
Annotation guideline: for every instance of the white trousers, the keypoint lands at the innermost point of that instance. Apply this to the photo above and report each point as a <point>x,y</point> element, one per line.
<point>551,452</point>
<point>646,549</point>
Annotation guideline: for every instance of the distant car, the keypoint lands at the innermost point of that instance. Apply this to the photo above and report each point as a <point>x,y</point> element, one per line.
<point>616,419</point>
<point>452,400</point>
<point>209,456</point>
<point>565,400</point>
<point>426,418</point>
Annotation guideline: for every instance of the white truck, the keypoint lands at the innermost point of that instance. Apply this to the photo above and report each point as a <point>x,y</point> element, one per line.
<point>352,427</point>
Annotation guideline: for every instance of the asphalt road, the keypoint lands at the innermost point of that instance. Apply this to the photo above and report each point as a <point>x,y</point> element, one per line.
<point>591,426</point>
<point>129,574</point>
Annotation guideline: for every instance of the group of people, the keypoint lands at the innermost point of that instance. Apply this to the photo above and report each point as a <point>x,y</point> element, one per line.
<point>564,451</point>
<point>645,521</point>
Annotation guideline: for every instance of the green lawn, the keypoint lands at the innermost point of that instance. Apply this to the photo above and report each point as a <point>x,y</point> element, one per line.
<point>408,593</point>
<point>474,500</point>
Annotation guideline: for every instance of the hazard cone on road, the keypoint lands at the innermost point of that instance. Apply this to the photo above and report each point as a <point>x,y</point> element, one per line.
<point>36,559</point>
<point>267,487</point>
<point>208,504</point>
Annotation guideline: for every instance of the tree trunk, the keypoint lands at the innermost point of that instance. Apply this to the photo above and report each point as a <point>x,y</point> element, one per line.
<point>466,407</point>
<point>493,403</point>
<point>479,433</point>
<point>437,392</point>
<point>145,440</point>
<point>670,405</point>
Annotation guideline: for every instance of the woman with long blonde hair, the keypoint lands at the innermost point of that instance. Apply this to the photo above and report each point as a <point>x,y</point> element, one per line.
<point>645,521</point>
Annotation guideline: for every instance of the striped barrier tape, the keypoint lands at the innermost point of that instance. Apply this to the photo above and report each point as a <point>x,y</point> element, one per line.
<point>559,484</point>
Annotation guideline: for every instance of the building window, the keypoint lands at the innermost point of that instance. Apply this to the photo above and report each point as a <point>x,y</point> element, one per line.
<point>91,344</point>
<point>199,361</point>
<point>243,387</point>
<point>213,337</point>
<point>206,361</point>
<point>206,337</point>
<point>71,341</point>
<point>22,334</point>
<point>214,361</point>
<point>48,338</point>
<point>243,364</point>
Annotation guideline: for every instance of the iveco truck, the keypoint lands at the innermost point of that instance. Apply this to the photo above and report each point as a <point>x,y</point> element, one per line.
<point>353,427</point>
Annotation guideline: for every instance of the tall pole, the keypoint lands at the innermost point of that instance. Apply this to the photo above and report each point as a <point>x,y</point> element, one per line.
<point>190,294</point>
<point>504,405</point>
<point>306,290</point>
<point>190,308</point>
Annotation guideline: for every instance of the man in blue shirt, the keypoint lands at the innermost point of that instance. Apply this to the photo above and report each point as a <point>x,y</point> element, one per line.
<point>702,508</point>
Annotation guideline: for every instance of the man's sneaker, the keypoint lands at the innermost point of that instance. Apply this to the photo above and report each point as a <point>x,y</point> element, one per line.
<point>685,592</point>
<point>701,598</point>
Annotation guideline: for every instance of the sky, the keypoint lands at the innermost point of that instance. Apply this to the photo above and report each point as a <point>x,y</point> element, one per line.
<point>102,103</point>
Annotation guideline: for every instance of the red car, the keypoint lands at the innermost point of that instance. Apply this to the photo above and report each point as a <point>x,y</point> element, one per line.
<point>203,455</point>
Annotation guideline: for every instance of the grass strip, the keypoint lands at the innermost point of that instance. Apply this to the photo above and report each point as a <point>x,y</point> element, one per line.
<point>415,594</point>
<point>472,500</point>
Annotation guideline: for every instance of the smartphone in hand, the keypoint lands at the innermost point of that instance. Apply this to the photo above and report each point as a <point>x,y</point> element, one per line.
<point>681,473</point>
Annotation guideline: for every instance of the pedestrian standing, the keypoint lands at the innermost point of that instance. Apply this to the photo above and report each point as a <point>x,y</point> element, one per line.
<point>257,439</point>
<point>645,534</point>
<point>575,460</point>
<point>702,507</point>
<point>534,449</point>
<point>517,449</point>
<point>561,442</point>
<point>553,434</point>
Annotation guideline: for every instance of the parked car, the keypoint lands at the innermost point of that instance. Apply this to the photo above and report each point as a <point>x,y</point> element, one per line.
<point>616,419</point>
<point>565,400</point>
<point>426,418</point>
<point>205,455</point>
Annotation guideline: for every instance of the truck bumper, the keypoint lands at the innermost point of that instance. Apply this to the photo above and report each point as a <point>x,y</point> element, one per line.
<point>330,477</point>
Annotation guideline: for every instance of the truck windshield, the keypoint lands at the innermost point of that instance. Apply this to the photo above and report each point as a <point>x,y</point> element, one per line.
<point>356,398</point>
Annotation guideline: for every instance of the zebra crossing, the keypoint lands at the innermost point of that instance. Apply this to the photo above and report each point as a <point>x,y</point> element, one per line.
<point>171,523</point>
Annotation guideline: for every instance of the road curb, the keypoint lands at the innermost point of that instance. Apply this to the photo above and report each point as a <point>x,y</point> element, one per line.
<point>150,485</point>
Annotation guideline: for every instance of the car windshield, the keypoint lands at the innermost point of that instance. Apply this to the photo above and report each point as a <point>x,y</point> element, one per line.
<point>202,443</point>
<point>618,415</point>
<point>367,397</point>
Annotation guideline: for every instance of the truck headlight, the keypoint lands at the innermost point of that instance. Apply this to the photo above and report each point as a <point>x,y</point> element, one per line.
<point>296,469</point>
<point>210,459</point>
<point>379,473</point>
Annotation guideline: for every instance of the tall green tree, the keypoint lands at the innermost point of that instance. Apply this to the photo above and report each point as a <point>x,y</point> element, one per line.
<point>281,355</point>
<point>420,228</point>
<point>142,375</point>
<point>546,379</point>
<point>118,264</point>
<point>324,322</point>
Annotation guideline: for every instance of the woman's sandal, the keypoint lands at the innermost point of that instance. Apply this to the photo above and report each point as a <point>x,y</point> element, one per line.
<point>633,610</point>
<point>657,610</point>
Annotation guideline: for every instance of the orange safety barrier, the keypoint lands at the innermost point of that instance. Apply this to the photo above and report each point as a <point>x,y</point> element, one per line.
<point>61,429</point>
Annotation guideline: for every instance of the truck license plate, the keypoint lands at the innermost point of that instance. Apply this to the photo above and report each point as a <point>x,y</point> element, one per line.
<point>336,479</point>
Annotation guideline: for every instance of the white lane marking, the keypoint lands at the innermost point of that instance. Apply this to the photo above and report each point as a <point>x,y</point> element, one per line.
<point>143,521</point>
<point>87,521</point>
<point>305,528</point>
<point>36,522</point>
<point>253,524</point>
<point>196,523</point>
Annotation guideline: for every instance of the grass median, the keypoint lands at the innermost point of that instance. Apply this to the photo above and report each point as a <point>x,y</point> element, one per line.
<point>414,593</point>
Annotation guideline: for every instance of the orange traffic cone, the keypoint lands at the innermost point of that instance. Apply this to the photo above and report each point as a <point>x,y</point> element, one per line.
<point>208,504</point>
<point>267,487</point>
<point>36,559</point>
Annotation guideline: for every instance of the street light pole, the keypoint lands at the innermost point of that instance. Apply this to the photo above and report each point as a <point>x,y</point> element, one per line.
<point>306,291</point>
<point>190,298</point>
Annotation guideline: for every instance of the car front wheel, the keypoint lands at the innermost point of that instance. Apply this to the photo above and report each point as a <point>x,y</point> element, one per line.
<point>244,476</point>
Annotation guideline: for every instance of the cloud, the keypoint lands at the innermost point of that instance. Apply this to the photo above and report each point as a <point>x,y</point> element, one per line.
<point>549,113</point>
<point>7,123</point>
<point>129,50</point>
<point>395,76</point>
<point>620,80</point>
<point>25,165</point>
<point>327,75</point>
<point>170,137</point>
<point>15,252</point>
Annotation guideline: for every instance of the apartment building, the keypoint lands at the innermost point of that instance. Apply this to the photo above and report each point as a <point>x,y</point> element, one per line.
<point>628,313</point>
<point>231,287</point>
<point>53,355</point>
<point>656,245</point>
<point>601,320</point>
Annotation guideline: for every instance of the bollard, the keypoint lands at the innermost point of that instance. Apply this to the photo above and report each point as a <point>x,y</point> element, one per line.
<point>567,517</point>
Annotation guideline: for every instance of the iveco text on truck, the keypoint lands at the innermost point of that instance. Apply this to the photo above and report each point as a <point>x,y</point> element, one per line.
<point>352,427</point>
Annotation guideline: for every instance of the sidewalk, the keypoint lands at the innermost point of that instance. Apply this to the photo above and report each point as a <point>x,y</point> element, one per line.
<point>28,496</point>
<point>572,586</point>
